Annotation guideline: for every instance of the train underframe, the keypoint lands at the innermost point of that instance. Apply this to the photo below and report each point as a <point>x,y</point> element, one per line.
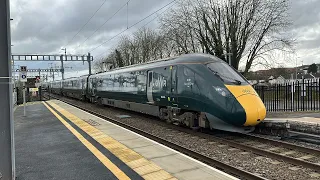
<point>174,115</point>
<point>196,120</point>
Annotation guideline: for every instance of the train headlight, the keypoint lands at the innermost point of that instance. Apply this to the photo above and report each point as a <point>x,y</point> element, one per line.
<point>222,91</point>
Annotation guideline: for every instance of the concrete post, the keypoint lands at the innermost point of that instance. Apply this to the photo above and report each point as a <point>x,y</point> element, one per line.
<point>24,98</point>
<point>6,117</point>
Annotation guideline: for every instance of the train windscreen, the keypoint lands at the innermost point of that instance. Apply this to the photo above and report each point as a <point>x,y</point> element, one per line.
<point>226,73</point>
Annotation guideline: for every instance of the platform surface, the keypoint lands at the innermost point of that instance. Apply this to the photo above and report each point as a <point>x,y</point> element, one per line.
<point>307,120</point>
<point>58,141</point>
<point>46,149</point>
<point>293,114</point>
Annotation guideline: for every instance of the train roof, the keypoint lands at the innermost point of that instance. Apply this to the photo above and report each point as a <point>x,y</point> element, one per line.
<point>183,59</point>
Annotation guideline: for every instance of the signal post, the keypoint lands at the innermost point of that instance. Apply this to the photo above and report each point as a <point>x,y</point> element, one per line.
<point>24,79</point>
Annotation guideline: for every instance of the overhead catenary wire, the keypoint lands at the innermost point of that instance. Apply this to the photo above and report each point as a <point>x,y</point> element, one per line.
<point>131,26</point>
<point>86,23</point>
<point>128,14</point>
<point>103,24</point>
<point>101,54</point>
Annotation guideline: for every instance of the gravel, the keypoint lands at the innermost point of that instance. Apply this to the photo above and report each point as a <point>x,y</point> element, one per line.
<point>262,166</point>
<point>296,142</point>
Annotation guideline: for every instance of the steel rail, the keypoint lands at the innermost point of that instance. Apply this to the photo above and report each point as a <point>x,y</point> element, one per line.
<point>285,144</point>
<point>306,137</point>
<point>259,151</point>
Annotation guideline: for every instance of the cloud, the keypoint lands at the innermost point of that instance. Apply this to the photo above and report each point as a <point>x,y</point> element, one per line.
<point>305,16</point>
<point>49,25</point>
<point>44,27</point>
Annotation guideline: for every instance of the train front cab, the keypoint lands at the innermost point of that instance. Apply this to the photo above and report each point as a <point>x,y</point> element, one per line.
<point>250,102</point>
<point>247,109</point>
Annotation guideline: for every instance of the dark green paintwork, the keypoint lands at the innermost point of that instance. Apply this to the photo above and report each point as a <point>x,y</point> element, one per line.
<point>184,82</point>
<point>193,89</point>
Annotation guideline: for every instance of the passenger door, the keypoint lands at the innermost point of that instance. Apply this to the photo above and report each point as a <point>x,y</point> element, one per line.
<point>173,89</point>
<point>83,86</point>
<point>150,87</point>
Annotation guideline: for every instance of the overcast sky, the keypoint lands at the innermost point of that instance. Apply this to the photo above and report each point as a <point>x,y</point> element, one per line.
<point>46,26</point>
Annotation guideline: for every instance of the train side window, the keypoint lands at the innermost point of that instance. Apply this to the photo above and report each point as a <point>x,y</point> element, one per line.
<point>173,79</point>
<point>188,72</point>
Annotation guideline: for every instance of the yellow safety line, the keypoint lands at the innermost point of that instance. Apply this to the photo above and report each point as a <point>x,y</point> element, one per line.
<point>30,103</point>
<point>145,168</point>
<point>113,168</point>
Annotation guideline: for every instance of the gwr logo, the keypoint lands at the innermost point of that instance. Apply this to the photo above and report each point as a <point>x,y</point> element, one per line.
<point>246,91</point>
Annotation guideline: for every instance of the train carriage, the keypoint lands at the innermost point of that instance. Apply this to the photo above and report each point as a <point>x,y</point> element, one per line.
<point>75,87</point>
<point>196,90</point>
<point>56,87</point>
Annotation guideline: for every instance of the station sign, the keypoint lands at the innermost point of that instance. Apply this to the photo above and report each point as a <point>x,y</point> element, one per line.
<point>23,74</point>
<point>33,89</point>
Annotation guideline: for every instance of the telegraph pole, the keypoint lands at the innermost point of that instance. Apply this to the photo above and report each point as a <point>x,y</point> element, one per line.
<point>6,115</point>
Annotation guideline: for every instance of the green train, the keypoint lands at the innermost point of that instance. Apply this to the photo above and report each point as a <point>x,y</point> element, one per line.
<point>195,90</point>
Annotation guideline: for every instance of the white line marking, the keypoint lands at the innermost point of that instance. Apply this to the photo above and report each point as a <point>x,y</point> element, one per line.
<point>188,157</point>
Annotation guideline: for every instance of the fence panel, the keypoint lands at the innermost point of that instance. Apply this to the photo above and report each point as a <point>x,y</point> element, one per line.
<point>292,96</point>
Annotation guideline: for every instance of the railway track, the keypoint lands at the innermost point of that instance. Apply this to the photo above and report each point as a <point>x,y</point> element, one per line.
<point>272,148</point>
<point>250,143</point>
<point>205,159</point>
<point>305,137</point>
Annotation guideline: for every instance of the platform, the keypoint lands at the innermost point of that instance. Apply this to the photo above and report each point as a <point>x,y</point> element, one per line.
<point>308,122</point>
<point>309,118</point>
<point>294,114</point>
<point>58,141</point>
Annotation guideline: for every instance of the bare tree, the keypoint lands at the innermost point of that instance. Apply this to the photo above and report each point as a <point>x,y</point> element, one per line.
<point>179,30</point>
<point>143,46</point>
<point>248,29</point>
<point>99,66</point>
<point>119,58</point>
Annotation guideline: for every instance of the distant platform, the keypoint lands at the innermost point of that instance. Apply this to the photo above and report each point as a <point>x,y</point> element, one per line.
<point>293,115</point>
<point>308,120</point>
<point>297,121</point>
<point>58,141</point>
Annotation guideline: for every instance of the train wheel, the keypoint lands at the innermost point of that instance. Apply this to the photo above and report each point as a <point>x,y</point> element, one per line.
<point>99,101</point>
<point>163,114</point>
<point>83,98</point>
<point>190,120</point>
<point>170,116</point>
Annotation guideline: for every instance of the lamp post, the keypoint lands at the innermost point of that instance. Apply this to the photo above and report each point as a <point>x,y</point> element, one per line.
<point>297,67</point>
